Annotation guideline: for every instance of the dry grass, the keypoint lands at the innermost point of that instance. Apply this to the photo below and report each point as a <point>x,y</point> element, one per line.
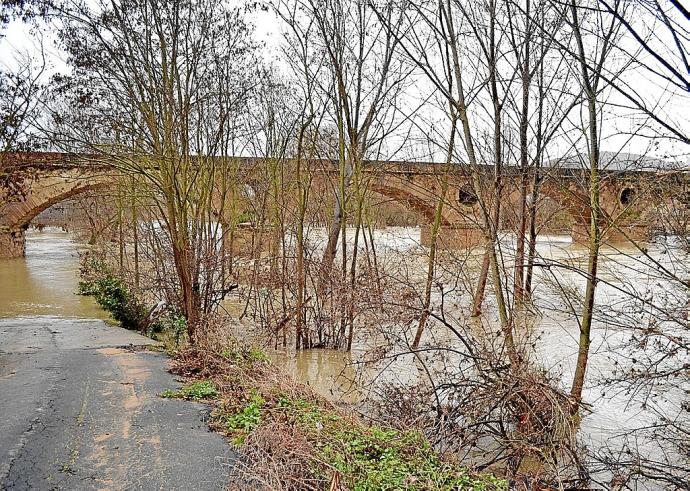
<point>288,437</point>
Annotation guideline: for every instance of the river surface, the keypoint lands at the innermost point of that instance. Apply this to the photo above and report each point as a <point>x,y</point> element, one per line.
<point>45,281</point>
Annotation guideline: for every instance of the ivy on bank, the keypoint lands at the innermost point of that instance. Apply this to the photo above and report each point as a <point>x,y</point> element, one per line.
<point>99,281</point>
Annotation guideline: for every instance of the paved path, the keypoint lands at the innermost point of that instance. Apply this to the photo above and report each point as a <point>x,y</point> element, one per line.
<point>79,409</point>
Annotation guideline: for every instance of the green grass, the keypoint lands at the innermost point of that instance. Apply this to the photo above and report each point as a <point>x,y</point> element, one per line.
<point>375,458</point>
<point>194,391</point>
<point>249,417</point>
<point>242,423</point>
<point>367,457</point>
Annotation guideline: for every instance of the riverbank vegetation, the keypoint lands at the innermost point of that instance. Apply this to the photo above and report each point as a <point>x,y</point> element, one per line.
<point>99,281</point>
<point>252,181</point>
<point>127,303</point>
<point>288,437</point>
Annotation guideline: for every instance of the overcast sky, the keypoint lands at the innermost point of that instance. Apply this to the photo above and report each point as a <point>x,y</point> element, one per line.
<point>21,40</point>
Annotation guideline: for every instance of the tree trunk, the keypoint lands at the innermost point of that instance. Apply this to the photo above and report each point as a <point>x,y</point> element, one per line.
<point>490,227</point>
<point>135,231</point>
<point>190,291</point>
<point>434,238</point>
<point>532,242</point>
<point>431,264</point>
<point>300,341</point>
<point>344,178</point>
<point>524,157</point>
<point>594,232</point>
<point>481,285</point>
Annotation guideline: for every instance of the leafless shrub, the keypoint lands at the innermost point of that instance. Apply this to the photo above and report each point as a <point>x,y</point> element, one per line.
<point>276,457</point>
<point>491,417</point>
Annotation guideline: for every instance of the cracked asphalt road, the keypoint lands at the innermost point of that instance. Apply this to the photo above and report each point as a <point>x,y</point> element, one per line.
<point>79,409</point>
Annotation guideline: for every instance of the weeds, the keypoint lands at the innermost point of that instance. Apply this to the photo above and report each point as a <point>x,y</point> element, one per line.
<point>289,438</point>
<point>170,329</point>
<point>245,421</point>
<point>111,293</point>
<point>194,391</point>
<point>245,354</point>
<point>376,458</point>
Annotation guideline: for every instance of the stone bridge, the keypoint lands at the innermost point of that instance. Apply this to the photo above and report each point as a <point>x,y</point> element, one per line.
<point>632,188</point>
<point>631,194</point>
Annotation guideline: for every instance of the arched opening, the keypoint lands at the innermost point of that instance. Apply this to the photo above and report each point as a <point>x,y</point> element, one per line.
<point>20,214</point>
<point>422,208</point>
<point>627,196</point>
<point>466,196</point>
<point>16,216</point>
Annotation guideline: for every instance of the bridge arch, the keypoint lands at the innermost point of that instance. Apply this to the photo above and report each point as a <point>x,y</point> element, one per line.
<point>626,206</point>
<point>422,207</point>
<point>25,211</point>
<point>18,213</point>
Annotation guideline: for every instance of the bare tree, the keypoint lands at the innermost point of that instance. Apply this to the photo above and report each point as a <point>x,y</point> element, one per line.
<point>178,71</point>
<point>360,61</point>
<point>661,32</point>
<point>591,67</point>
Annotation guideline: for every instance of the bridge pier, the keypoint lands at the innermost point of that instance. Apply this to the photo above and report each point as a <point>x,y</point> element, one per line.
<point>615,235</point>
<point>12,244</point>
<point>461,236</point>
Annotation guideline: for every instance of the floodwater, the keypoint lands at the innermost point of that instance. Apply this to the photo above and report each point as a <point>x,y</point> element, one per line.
<point>631,282</point>
<point>45,282</point>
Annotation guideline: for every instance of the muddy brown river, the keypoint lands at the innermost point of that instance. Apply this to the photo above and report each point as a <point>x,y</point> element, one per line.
<point>45,281</point>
